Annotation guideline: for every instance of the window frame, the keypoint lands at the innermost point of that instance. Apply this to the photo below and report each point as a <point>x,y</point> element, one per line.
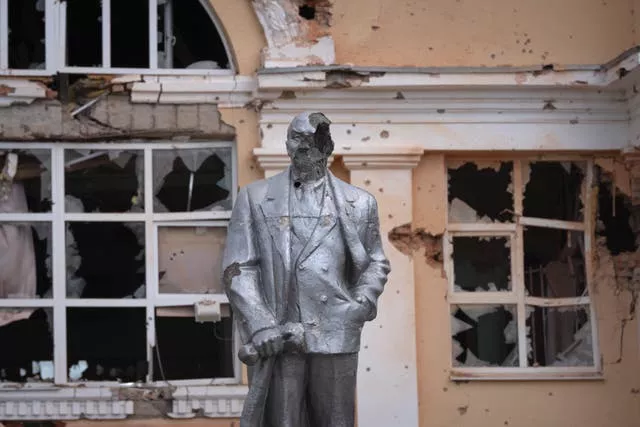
<point>55,44</point>
<point>153,299</point>
<point>516,296</point>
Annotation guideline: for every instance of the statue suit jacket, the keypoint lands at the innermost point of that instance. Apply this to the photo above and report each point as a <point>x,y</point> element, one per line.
<point>342,259</point>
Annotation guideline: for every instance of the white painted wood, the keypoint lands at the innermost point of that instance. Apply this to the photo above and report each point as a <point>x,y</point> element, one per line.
<point>153,34</point>
<point>387,391</point>
<point>556,302</point>
<point>4,35</point>
<point>552,223</point>
<point>106,33</point>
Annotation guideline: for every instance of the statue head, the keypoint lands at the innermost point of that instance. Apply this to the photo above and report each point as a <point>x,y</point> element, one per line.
<point>309,144</point>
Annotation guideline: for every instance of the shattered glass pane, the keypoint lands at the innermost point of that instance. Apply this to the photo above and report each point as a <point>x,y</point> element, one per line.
<point>554,263</point>
<point>189,259</point>
<point>484,335</point>
<point>105,260</point>
<point>553,190</point>
<point>84,33</point>
<point>482,263</point>
<point>190,350</point>
<point>187,180</point>
<point>26,335</point>
<point>481,193</point>
<point>30,188</point>
<point>559,336</point>
<point>106,344</point>
<point>26,34</point>
<point>25,260</point>
<point>104,180</point>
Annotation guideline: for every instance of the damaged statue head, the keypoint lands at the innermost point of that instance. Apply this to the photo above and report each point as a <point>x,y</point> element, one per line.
<point>303,270</point>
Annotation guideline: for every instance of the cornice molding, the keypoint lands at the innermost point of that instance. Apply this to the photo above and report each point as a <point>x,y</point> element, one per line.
<point>381,157</point>
<point>276,158</point>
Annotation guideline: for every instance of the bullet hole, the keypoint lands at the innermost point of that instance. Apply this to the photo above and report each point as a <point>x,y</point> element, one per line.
<point>384,134</point>
<point>517,41</point>
<point>381,190</point>
<point>390,216</point>
<point>398,292</point>
<point>353,124</point>
<point>406,366</point>
<point>463,409</point>
<point>399,95</point>
<point>441,110</point>
<point>241,121</point>
<point>445,389</point>
<point>550,393</point>
<point>430,48</point>
<point>635,391</point>
<point>365,139</point>
<point>573,121</point>
<point>487,410</point>
<point>527,41</point>
<point>269,126</point>
<point>375,27</point>
<point>493,56</point>
<point>348,131</point>
<point>368,369</point>
<point>367,182</point>
<point>307,12</point>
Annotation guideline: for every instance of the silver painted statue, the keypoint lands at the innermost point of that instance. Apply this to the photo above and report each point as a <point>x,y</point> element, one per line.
<point>303,270</point>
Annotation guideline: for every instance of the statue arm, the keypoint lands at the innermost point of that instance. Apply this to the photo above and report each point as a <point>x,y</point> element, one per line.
<point>371,282</point>
<point>241,270</point>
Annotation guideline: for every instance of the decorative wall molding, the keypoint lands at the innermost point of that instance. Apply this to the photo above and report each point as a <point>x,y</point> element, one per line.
<point>63,404</point>
<point>381,157</point>
<point>211,401</point>
<point>276,159</point>
<point>456,119</point>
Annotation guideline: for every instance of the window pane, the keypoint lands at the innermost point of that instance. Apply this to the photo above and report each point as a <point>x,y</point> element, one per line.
<point>84,33</point>
<point>27,344</point>
<point>104,180</point>
<point>484,335</point>
<point>190,258</point>
<point>182,27</point>
<point>553,190</point>
<point>30,188</point>
<point>106,344</point>
<point>554,263</point>
<point>26,34</point>
<point>105,260</point>
<point>559,336</point>
<point>482,263</point>
<point>480,192</point>
<point>25,260</point>
<point>188,180</point>
<point>130,33</point>
<point>190,350</point>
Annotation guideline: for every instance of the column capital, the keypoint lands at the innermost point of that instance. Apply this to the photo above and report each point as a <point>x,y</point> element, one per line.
<point>381,156</point>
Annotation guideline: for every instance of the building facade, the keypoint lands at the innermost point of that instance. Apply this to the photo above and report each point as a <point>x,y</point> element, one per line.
<point>498,138</point>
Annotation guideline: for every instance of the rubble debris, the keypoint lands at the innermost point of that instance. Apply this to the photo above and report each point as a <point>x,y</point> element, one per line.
<point>481,263</point>
<point>484,190</point>
<point>28,359</point>
<point>186,349</point>
<point>112,338</point>
<point>560,336</point>
<point>408,241</point>
<point>553,190</point>
<point>485,342</point>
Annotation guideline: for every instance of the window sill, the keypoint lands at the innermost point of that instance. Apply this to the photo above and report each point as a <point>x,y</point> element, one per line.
<point>72,403</point>
<point>526,374</point>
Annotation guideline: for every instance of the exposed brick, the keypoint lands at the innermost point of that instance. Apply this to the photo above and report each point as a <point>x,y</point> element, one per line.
<point>37,120</point>
<point>166,117</point>
<point>188,117</point>
<point>143,117</point>
<point>120,112</point>
<point>208,118</point>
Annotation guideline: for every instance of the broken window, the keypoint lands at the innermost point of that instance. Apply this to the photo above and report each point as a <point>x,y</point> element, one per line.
<point>124,34</point>
<point>484,335</point>
<point>191,180</point>
<point>188,349</point>
<point>118,240</point>
<point>519,228</point>
<point>482,263</point>
<point>480,192</point>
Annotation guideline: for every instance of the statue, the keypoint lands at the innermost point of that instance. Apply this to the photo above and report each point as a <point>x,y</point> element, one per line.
<point>303,270</point>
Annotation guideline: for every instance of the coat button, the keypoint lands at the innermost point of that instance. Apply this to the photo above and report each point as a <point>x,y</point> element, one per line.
<point>324,298</point>
<point>301,267</point>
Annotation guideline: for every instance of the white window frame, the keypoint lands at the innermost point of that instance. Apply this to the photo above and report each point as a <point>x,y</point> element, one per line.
<point>153,299</point>
<point>516,297</point>
<point>55,44</point>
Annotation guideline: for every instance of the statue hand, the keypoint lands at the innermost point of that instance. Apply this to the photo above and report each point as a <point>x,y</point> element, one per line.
<point>268,342</point>
<point>365,304</point>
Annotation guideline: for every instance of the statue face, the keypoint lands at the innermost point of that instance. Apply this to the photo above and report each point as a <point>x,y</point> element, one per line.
<point>307,151</point>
